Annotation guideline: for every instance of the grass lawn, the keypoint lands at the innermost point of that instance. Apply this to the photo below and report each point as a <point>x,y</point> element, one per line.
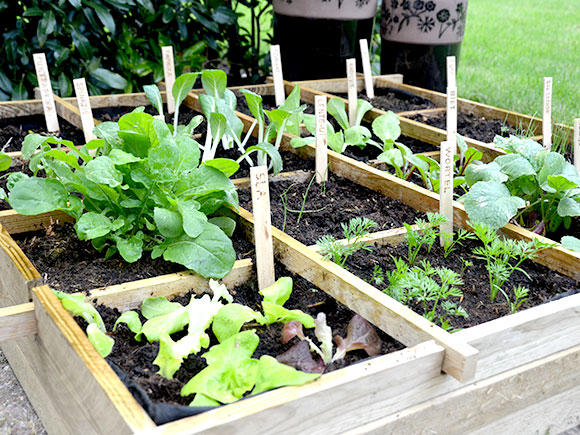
<point>510,45</point>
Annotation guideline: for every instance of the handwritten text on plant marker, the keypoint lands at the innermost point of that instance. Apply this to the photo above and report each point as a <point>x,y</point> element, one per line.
<point>276,59</point>
<point>321,139</point>
<point>169,72</point>
<point>547,116</point>
<point>84,104</point>
<point>262,226</point>
<point>46,93</point>
<point>352,90</point>
<point>446,187</point>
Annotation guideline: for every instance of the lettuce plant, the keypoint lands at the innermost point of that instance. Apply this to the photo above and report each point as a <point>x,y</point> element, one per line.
<point>530,186</point>
<point>143,189</point>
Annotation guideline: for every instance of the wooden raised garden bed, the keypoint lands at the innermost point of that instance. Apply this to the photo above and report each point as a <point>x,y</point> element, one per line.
<point>528,360</point>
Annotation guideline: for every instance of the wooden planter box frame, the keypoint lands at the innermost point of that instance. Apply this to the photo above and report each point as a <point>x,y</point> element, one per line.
<point>498,362</point>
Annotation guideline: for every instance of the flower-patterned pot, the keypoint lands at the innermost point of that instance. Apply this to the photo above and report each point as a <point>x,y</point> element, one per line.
<point>317,36</point>
<point>417,36</point>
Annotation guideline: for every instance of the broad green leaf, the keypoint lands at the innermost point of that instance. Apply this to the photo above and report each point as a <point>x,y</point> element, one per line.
<point>131,249</point>
<point>226,224</point>
<point>230,319</point>
<point>208,104</point>
<point>101,341</point>
<point>356,136</point>
<point>182,86</point>
<point>168,323</point>
<point>560,183</point>
<point>299,142</point>
<point>490,203</point>
<point>108,131</point>
<point>105,16</point>
<point>102,171</point>
<point>201,400</point>
<point>194,221</point>
<point>227,166</point>
<point>111,79</point>
<point>336,108</point>
<point>214,81</point>
<point>568,207</point>
<point>158,306</point>
<point>392,157</point>
<point>31,143</point>
<point>274,313</point>
<point>255,105</point>
<point>217,127</point>
<point>553,164</point>
<point>211,254</point>
<point>92,225</point>
<point>310,124</point>
<point>167,360</point>
<point>527,148</point>
<point>270,151</point>
<point>32,196</point>
<point>5,161</point>
<point>514,166</point>
<point>131,319</point>
<point>78,306</point>
<point>120,158</point>
<point>387,127</point>
<point>292,101</point>
<point>279,292</point>
<point>362,107</point>
<point>154,96</point>
<point>571,243</point>
<point>484,172</point>
<point>335,141</point>
<point>169,223</point>
<point>272,374</point>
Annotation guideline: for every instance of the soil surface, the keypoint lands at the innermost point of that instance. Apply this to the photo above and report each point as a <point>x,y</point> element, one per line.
<point>136,358</point>
<point>470,125</point>
<point>14,130</point>
<point>394,99</point>
<point>70,265</point>
<point>543,284</point>
<point>325,209</point>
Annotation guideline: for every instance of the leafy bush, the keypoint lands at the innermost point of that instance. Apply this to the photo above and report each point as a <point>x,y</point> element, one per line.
<point>116,44</point>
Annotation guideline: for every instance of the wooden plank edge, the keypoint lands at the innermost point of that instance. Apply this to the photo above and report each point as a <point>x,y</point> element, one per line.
<point>491,403</point>
<point>389,315</point>
<point>63,338</point>
<point>24,265</point>
<point>17,321</point>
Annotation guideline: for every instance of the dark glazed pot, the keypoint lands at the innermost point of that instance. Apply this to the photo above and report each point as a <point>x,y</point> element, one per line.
<point>317,36</point>
<point>418,35</point>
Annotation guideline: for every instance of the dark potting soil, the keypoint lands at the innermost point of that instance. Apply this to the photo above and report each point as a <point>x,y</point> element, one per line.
<point>394,99</point>
<point>326,208</point>
<point>268,103</point>
<point>13,131</point>
<point>470,125</point>
<point>543,285</point>
<point>136,358</point>
<point>70,265</point>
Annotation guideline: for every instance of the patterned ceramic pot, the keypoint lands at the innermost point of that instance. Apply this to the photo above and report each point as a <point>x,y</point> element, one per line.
<point>328,9</point>
<point>317,36</point>
<point>417,36</point>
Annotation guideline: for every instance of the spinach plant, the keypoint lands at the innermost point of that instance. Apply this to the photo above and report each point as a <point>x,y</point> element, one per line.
<point>530,186</point>
<point>142,187</point>
<point>503,257</point>
<point>354,233</point>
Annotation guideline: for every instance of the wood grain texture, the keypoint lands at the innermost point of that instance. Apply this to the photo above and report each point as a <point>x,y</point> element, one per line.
<point>94,400</point>
<point>395,319</point>
<point>515,401</point>
<point>17,321</point>
<point>15,223</point>
<point>69,112</point>
<point>14,109</point>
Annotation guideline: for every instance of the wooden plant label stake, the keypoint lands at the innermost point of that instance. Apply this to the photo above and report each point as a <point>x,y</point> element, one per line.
<point>451,72</point>
<point>547,117</point>
<point>446,188</point>
<point>169,72</point>
<point>321,139</point>
<point>46,93</point>
<point>366,64</point>
<point>452,101</point>
<point>577,144</point>
<point>262,226</point>
<point>276,60</point>
<point>352,90</point>
<point>84,104</point>
<point>452,117</point>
